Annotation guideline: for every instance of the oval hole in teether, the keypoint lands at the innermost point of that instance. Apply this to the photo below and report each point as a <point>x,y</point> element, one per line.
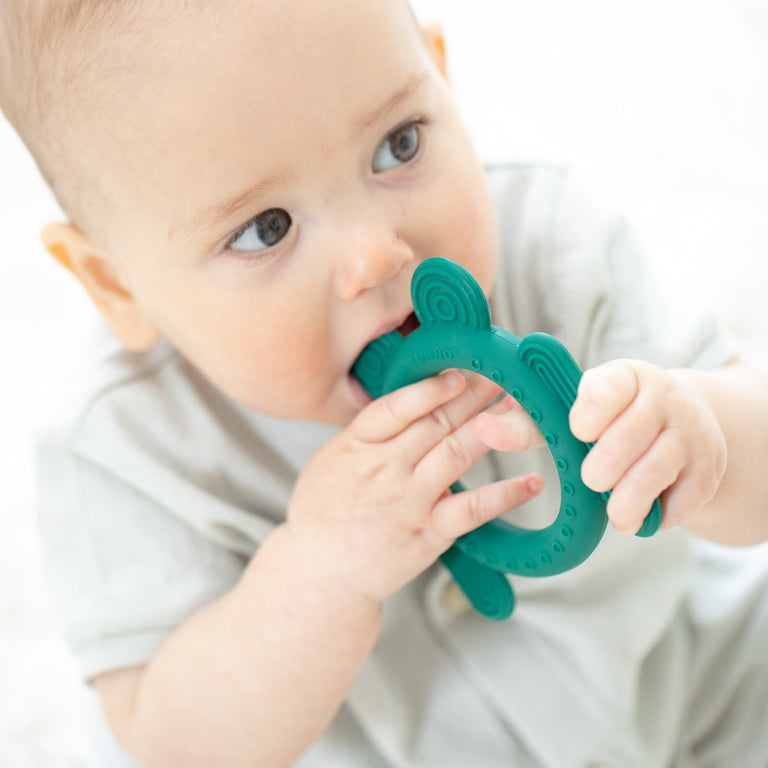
<point>539,512</point>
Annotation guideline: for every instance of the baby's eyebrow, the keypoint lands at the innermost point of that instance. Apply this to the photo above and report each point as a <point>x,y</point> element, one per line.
<point>411,85</point>
<point>202,221</point>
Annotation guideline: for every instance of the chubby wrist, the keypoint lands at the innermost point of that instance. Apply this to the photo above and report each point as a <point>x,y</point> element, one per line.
<point>287,570</point>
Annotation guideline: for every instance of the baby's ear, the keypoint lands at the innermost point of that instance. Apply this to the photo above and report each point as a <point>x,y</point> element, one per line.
<point>432,33</point>
<point>101,278</point>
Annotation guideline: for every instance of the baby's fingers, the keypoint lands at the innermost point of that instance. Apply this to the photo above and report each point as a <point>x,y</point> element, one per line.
<point>627,439</point>
<point>459,513</point>
<point>687,496</point>
<point>388,416</point>
<point>647,478</point>
<point>604,393</point>
<point>508,428</point>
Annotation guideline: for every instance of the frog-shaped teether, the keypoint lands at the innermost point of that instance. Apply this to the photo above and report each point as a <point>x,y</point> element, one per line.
<point>540,374</point>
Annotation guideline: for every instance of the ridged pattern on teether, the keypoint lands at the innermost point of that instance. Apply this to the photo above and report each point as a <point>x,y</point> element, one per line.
<point>444,292</point>
<point>371,367</point>
<point>489,591</point>
<point>559,371</point>
<point>553,364</point>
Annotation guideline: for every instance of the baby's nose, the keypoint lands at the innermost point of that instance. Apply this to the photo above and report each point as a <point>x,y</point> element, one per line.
<point>368,259</point>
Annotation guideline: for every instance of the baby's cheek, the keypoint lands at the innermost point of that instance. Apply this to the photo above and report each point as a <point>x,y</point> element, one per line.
<point>468,226</point>
<point>300,370</point>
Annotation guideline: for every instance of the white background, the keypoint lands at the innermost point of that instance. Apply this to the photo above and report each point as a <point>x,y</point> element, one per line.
<point>661,105</point>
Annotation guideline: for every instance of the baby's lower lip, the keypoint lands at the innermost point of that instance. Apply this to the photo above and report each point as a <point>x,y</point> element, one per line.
<point>359,395</point>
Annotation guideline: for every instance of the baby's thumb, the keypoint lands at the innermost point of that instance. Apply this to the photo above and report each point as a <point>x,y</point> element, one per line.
<point>510,430</point>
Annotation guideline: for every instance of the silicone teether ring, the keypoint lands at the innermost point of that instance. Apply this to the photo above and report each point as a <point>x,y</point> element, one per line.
<point>540,374</point>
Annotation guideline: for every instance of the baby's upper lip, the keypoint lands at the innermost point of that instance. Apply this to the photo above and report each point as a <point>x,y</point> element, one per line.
<point>387,327</point>
<point>393,325</point>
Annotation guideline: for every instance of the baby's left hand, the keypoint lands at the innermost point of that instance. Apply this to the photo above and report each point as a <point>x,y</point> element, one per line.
<point>655,435</point>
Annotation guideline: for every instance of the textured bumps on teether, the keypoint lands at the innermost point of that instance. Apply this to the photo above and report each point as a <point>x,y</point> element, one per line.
<point>540,374</point>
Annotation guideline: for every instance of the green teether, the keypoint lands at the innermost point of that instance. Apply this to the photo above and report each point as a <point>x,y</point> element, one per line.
<point>540,374</point>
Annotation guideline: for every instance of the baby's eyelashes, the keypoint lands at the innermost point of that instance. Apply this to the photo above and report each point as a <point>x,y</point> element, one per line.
<point>262,231</point>
<point>399,147</point>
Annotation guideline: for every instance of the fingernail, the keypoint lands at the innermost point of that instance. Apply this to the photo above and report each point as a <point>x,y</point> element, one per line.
<point>625,530</point>
<point>535,484</point>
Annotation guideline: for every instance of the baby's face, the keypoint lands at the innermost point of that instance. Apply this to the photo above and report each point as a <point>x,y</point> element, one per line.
<point>285,169</point>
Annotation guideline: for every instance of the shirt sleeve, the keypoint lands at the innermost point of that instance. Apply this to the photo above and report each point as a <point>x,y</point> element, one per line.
<point>124,572</point>
<point>153,493</point>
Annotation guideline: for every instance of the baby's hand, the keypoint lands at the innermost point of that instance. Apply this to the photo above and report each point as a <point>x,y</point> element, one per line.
<point>655,434</point>
<point>372,507</point>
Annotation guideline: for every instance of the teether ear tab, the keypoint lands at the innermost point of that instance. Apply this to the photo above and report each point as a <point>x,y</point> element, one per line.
<point>443,292</point>
<point>487,590</point>
<point>540,374</point>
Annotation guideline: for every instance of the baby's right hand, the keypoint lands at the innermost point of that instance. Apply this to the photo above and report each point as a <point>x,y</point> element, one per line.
<point>372,507</point>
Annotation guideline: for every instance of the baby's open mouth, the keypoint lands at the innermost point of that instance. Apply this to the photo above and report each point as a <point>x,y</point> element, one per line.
<point>410,324</point>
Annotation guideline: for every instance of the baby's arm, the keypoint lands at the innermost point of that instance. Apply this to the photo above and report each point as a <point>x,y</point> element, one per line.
<point>256,677</point>
<point>694,437</point>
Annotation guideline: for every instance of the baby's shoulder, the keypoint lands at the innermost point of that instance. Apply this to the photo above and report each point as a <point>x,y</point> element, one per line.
<point>519,184</point>
<point>99,376</point>
<point>546,197</point>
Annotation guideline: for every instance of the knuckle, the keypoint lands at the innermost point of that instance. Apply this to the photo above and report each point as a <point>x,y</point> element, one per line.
<point>610,382</point>
<point>680,407</point>
<point>704,485</point>
<point>593,388</point>
<point>441,418</point>
<point>456,450</point>
<point>375,423</point>
<point>476,510</point>
<point>594,475</point>
<point>645,476</point>
<point>390,409</point>
<point>514,493</point>
<point>523,432</point>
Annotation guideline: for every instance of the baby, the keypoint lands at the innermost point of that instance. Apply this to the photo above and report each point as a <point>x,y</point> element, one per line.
<point>242,543</point>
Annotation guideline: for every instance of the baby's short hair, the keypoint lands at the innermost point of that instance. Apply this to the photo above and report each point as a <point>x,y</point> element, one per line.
<point>56,58</point>
<point>45,68</point>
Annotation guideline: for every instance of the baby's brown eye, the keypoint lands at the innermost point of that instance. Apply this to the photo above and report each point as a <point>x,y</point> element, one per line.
<point>272,226</point>
<point>263,231</point>
<point>404,143</point>
<point>400,147</point>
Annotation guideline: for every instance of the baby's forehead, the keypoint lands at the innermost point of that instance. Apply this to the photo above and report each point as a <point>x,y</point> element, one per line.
<point>282,48</point>
<point>114,65</point>
<point>135,34</point>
